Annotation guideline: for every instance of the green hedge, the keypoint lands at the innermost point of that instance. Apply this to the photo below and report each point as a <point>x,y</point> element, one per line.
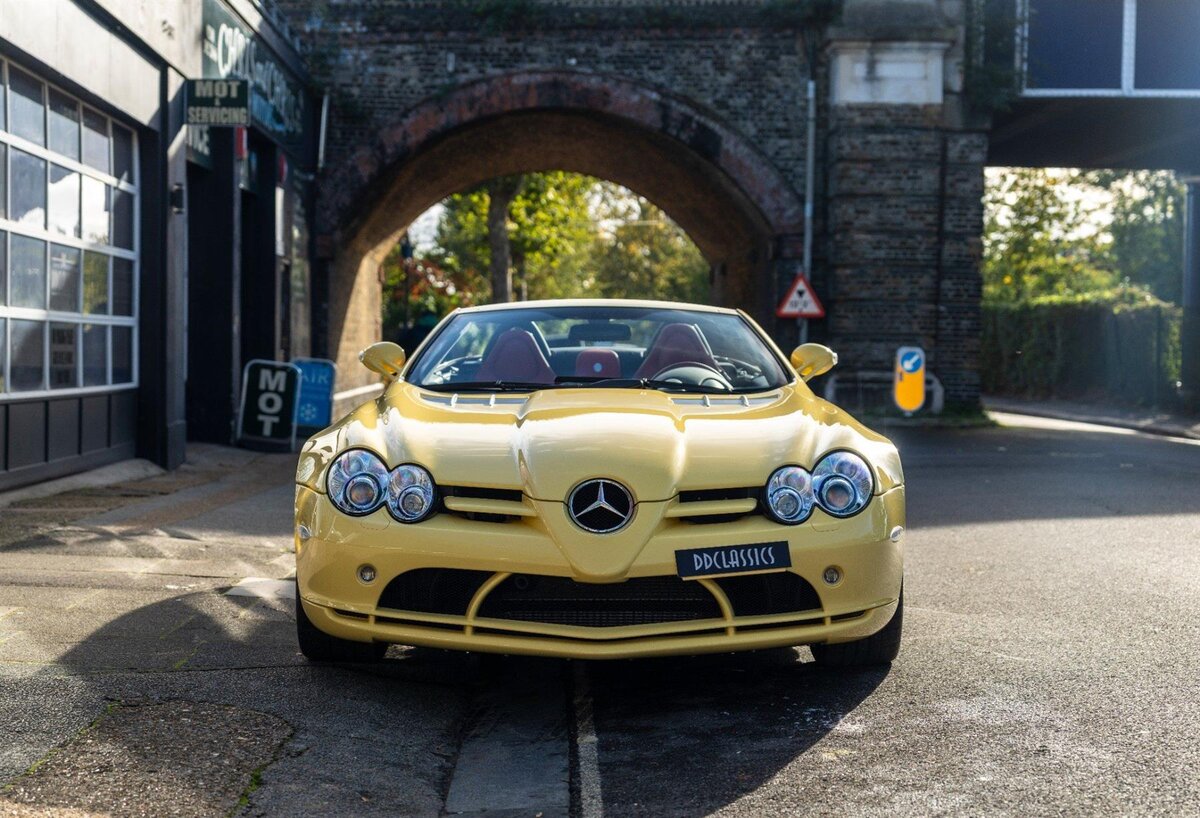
<point>1120,345</point>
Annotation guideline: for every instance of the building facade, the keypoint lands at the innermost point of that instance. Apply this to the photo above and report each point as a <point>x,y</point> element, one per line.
<point>142,261</point>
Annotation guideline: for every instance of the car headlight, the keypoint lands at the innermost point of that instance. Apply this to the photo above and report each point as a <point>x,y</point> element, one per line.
<point>410,493</point>
<point>842,484</point>
<point>356,482</point>
<point>790,495</point>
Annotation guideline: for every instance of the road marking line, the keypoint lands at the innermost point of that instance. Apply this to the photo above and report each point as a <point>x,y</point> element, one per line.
<point>587,748</point>
<point>264,588</point>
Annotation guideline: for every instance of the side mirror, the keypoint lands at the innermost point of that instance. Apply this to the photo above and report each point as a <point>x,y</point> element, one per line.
<point>385,358</point>
<point>811,360</point>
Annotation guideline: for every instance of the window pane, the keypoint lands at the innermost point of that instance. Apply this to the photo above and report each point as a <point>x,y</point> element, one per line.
<point>3,279</point>
<point>28,346</point>
<point>28,189</point>
<point>95,210</point>
<point>3,121</point>
<point>122,153</point>
<point>122,207</point>
<point>122,354</point>
<point>3,351</point>
<point>122,286</point>
<point>64,372</point>
<point>64,125</point>
<point>95,282</point>
<point>28,110</point>
<point>1165,56</point>
<point>3,176</point>
<point>28,273</point>
<point>95,141</point>
<point>1074,43</point>
<point>95,355</point>
<point>64,278</point>
<point>64,201</point>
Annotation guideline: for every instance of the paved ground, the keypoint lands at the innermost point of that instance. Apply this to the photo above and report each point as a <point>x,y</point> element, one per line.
<point>1049,665</point>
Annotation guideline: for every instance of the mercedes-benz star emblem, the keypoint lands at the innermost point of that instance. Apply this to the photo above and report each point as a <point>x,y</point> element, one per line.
<point>600,506</point>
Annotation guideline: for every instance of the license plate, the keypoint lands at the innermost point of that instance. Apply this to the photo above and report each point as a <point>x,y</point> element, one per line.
<point>733,559</point>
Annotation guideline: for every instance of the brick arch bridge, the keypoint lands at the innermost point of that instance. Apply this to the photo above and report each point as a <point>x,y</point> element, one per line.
<point>734,203</point>
<point>700,106</point>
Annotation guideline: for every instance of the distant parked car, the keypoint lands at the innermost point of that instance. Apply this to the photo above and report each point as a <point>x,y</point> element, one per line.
<point>599,479</point>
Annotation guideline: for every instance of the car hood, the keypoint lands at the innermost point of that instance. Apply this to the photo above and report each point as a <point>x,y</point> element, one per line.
<point>547,442</point>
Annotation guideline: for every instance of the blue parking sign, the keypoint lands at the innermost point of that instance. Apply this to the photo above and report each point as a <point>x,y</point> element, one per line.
<point>315,409</point>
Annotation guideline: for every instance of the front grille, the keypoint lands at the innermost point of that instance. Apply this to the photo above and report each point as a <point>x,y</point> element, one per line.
<point>510,495</point>
<point>703,495</point>
<point>433,590</point>
<point>560,601</point>
<point>763,594</point>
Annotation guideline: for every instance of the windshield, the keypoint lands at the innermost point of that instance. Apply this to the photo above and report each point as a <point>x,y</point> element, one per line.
<point>598,347</point>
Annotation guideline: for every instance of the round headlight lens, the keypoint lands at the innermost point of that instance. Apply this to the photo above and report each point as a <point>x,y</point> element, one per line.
<point>410,493</point>
<point>842,483</point>
<point>790,495</point>
<point>355,482</point>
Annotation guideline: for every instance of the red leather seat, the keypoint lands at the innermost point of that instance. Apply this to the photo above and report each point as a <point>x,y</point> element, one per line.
<point>676,344</point>
<point>598,363</point>
<point>516,357</point>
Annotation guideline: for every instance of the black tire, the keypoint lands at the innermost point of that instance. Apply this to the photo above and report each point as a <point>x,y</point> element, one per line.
<point>879,648</point>
<point>318,646</point>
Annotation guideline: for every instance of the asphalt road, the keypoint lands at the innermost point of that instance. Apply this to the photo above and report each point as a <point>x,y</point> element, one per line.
<point>1049,665</point>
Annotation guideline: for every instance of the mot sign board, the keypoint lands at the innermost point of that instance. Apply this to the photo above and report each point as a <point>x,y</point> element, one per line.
<point>218,103</point>
<point>908,385</point>
<point>315,410</point>
<point>270,398</point>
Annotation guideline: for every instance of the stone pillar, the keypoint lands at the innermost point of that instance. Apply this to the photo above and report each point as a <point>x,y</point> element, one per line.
<point>905,187</point>
<point>1190,335</point>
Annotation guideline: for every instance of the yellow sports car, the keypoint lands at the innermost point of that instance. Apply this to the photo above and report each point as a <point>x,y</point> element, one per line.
<point>599,479</point>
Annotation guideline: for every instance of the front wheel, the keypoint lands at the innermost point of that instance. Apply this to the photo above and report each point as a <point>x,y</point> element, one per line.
<point>879,648</point>
<point>318,646</point>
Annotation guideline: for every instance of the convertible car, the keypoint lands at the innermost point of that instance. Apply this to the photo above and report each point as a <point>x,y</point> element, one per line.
<point>599,479</point>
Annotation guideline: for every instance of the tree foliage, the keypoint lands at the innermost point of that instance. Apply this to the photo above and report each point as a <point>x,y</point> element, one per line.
<point>569,236</point>
<point>1059,232</point>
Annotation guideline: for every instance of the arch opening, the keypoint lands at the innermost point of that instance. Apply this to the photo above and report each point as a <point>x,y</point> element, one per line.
<point>730,201</point>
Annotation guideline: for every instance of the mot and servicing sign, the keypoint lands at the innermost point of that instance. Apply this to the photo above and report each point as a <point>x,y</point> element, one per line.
<point>267,415</point>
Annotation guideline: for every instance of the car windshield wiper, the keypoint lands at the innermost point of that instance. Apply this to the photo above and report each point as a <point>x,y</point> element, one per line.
<point>643,383</point>
<point>488,386</point>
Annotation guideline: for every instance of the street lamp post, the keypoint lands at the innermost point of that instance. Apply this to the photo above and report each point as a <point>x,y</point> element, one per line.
<point>1190,334</point>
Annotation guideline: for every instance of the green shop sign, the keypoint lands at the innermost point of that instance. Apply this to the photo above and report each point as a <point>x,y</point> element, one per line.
<point>277,96</point>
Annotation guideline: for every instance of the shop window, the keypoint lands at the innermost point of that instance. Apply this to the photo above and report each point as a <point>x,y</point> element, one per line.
<point>68,307</point>
<point>64,201</point>
<point>95,283</point>
<point>27,273</point>
<point>122,286</point>
<point>122,354</point>
<point>64,355</point>
<point>95,355</point>
<point>27,358</point>
<point>122,153</point>
<point>95,141</point>
<point>28,189</point>
<point>64,278</point>
<point>122,219</point>
<point>27,107</point>
<point>64,125</point>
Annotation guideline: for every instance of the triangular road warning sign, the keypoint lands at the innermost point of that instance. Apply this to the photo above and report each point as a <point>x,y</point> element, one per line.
<point>801,301</point>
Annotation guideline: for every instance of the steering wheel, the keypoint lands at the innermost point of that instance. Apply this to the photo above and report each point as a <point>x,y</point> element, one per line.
<point>694,373</point>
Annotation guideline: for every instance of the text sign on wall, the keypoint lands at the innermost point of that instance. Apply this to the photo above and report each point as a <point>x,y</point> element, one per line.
<point>270,398</point>
<point>231,49</point>
<point>219,103</point>
<point>908,387</point>
<point>315,411</point>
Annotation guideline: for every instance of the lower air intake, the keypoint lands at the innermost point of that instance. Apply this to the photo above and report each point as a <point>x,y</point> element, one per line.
<point>559,601</point>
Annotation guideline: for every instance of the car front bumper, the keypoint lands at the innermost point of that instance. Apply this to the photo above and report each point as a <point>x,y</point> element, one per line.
<point>331,547</point>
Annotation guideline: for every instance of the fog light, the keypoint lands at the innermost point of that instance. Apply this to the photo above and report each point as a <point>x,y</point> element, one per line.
<point>832,575</point>
<point>366,573</point>
<point>303,533</point>
<point>897,533</point>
